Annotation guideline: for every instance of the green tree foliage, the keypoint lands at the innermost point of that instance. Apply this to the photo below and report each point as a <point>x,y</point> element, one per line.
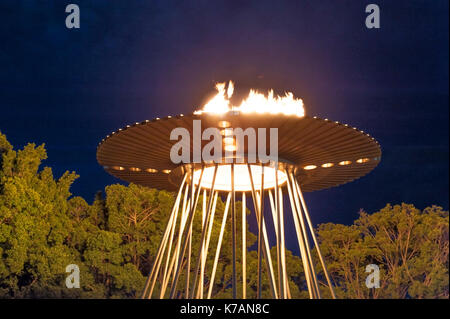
<point>33,223</point>
<point>410,246</point>
<point>113,240</point>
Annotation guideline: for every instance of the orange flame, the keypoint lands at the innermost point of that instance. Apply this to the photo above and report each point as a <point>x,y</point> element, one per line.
<point>254,103</point>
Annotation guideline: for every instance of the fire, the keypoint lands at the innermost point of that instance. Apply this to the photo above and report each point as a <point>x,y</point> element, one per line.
<point>219,103</point>
<point>255,102</point>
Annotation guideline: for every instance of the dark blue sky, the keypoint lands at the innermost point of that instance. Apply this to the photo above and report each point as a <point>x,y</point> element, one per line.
<point>136,60</point>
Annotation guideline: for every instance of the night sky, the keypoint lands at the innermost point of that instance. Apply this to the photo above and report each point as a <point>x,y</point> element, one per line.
<point>137,60</point>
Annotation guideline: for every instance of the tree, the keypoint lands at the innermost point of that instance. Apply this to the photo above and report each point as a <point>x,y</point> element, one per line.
<point>33,223</point>
<point>410,246</point>
<point>138,214</point>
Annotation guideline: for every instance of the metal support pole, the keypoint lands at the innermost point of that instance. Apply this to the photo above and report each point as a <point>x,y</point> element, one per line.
<point>267,256</point>
<point>287,293</point>
<point>233,232</point>
<point>300,239</point>
<point>279,235</point>
<point>158,262</point>
<point>208,239</point>
<point>186,209</point>
<point>184,213</point>
<point>211,222</point>
<point>162,244</point>
<point>187,236</point>
<point>188,271</point>
<point>219,245</point>
<point>244,247</point>
<point>260,245</point>
<point>203,235</point>
<point>266,252</point>
<point>280,264</point>
<point>315,240</point>
<point>165,276</point>
<point>316,290</point>
<point>275,222</point>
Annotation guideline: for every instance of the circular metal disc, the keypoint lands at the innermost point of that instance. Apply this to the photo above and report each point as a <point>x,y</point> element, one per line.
<point>141,153</point>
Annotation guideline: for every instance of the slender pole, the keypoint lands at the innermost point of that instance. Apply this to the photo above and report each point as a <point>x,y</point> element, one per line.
<point>244,247</point>
<point>308,252</point>
<point>275,226</point>
<point>283,259</point>
<point>219,245</point>
<point>260,245</point>
<point>300,239</point>
<point>315,241</point>
<point>233,232</point>
<point>187,235</point>
<point>267,249</point>
<point>202,246</point>
<point>177,250</point>
<point>279,240</point>
<point>267,256</point>
<point>209,236</point>
<point>203,235</point>
<point>186,205</point>
<point>258,212</point>
<point>160,248</point>
<point>274,218</point>
<point>283,244</point>
<point>188,271</point>
<point>165,276</point>
<point>188,261</point>
<point>158,263</point>
<point>211,222</point>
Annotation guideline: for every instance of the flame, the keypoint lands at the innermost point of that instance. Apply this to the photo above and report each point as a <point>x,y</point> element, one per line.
<point>219,103</point>
<point>255,102</point>
<point>230,89</point>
